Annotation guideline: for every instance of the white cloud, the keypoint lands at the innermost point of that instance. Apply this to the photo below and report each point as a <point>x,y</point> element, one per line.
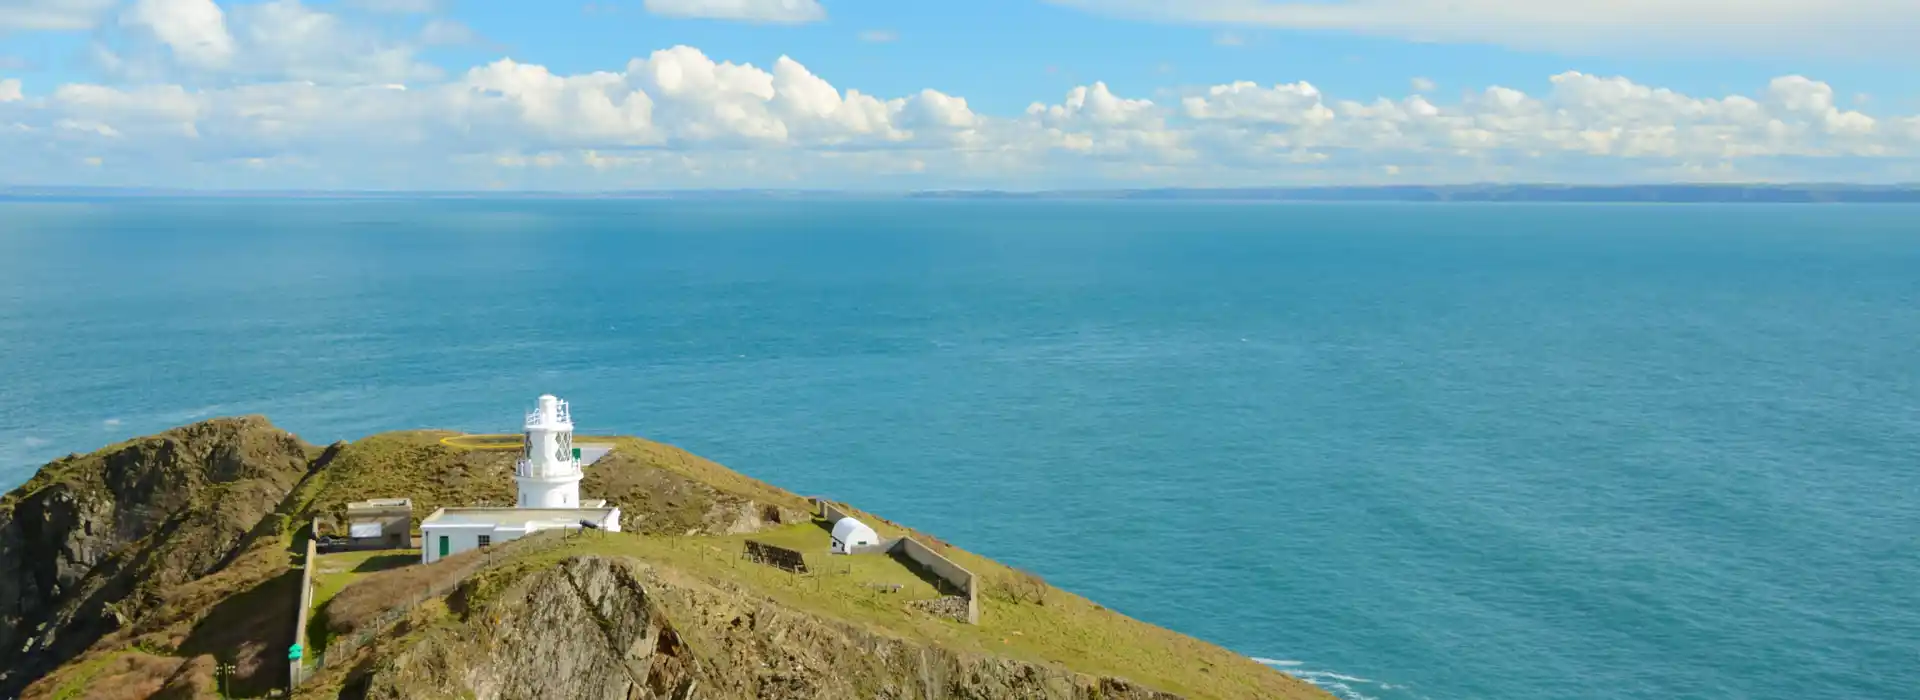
<point>195,30</point>
<point>52,15</point>
<point>770,11</point>
<point>10,90</point>
<point>1095,104</point>
<point>879,36</point>
<point>1298,103</point>
<point>1424,85</point>
<point>275,40</point>
<point>1765,26</point>
<point>677,117</point>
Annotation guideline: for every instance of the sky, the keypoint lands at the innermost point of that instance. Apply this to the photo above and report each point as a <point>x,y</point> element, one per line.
<point>931,94</point>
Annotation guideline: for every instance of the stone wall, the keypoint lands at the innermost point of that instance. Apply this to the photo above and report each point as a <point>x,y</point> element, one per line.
<point>830,512</point>
<point>296,669</point>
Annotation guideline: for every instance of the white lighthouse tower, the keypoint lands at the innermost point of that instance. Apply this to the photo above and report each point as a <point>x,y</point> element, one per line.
<point>549,472</point>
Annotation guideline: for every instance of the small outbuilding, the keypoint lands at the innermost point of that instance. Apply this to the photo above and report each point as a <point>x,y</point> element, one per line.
<point>849,533</point>
<point>380,523</point>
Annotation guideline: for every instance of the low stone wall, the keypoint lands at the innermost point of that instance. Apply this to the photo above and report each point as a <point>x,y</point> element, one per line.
<point>961,579</point>
<point>830,512</point>
<point>296,669</point>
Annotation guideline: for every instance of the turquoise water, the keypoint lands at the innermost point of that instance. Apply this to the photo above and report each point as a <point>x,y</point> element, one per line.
<point>1407,451</point>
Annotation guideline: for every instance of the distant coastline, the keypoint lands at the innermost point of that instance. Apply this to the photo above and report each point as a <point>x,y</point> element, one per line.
<point>1811,193</point>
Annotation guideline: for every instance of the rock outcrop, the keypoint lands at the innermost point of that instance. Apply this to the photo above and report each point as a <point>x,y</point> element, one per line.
<point>617,629</point>
<point>87,544</point>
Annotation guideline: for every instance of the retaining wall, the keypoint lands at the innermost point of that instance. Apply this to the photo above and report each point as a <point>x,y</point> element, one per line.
<point>921,554</point>
<point>830,512</point>
<point>945,569</point>
<point>296,670</point>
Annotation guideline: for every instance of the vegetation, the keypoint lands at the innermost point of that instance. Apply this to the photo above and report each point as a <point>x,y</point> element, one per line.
<point>412,464</point>
<point>230,578</point>
<point>1056,627</point>
<point>333,573</point>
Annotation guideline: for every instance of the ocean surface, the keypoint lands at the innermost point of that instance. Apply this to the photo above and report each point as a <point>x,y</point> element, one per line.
<point>1459,452</point>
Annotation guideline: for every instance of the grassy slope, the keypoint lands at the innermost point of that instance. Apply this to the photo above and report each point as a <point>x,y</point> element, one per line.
<point>221,481</point>
<point>1021,617</point>
<point>333,573</point>
<point>1059,628</point>
<point>411,464</point>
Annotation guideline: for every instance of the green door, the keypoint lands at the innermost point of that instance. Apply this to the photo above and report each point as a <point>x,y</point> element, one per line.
<point>443,545</point>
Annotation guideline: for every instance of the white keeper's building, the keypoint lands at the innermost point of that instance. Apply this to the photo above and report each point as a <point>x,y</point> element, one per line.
<point>548,479</point>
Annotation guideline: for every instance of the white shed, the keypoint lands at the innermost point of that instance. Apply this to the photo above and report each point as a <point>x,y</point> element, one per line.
<point>850,533</point>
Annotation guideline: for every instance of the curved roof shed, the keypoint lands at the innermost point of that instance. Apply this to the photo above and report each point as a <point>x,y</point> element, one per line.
<point>850,533</point>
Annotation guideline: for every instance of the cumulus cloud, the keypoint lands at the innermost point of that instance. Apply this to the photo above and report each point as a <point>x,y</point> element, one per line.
<point>769,11</point>
<point>276,40</point>
<point>1770,26</point>
<point>195,30</point>
<point>52,15</point>
<point>1424,85</point>
<point>679,117</point>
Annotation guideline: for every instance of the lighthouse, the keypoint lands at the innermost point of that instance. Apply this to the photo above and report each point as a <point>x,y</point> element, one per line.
<point>549,470</point>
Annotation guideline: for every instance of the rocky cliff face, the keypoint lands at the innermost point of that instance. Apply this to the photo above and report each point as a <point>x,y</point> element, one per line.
<point>87,544</point>
<point>618,629</point>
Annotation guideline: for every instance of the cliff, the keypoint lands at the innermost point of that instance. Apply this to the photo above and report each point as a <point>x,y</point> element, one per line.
<point>92,542</point>
<point>144,569</point>
<point>595,627</point>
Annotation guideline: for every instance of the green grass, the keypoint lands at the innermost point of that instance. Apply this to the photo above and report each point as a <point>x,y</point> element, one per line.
<point>813,541</point>
<point>411,465</point>
<point>333,573</point>
<point>1063,629</point>
<point>75,685</point>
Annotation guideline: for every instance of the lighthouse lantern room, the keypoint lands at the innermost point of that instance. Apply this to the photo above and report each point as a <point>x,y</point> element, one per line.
<point>549,471</point>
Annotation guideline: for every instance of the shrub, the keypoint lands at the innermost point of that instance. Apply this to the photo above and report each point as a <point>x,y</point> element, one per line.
<point>1022,587</point>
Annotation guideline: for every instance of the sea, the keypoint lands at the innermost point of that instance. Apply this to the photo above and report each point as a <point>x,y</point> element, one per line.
<point>1432,451</point>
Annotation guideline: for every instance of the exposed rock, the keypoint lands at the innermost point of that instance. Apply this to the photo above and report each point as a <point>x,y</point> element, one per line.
<point>953,607</point>
<point>87,544</point>
<point>616,629</point>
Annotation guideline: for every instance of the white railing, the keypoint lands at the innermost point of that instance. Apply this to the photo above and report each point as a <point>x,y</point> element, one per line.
<point>560,413</point>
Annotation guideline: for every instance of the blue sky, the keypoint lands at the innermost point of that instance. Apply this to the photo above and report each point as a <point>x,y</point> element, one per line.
<point>1623,90</point>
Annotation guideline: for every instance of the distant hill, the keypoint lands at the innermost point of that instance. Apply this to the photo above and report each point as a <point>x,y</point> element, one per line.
<point>1491,193</point>
<point>1808,193</point>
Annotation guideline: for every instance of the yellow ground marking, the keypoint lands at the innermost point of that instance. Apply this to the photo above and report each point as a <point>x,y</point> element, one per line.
<point>501,441</point>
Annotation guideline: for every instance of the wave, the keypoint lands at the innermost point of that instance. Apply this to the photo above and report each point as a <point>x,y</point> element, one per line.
<point>1341,685</point>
